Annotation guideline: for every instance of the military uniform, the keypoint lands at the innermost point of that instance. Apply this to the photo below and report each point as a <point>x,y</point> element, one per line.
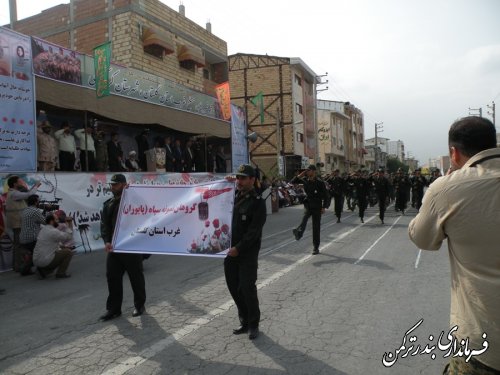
<point>417,186</point>
<point>337,191</point>
<point>317,198</point>
<point>119,263</point>
<point>401,185</point>
<point>362,187</point>
<point>382,188</point>
<point>249,217</point>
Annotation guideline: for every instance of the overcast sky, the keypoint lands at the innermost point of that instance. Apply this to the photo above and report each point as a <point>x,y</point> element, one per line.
<point>415,65</point>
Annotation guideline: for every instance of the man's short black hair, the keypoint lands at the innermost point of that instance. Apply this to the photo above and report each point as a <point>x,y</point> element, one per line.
<point>12,181</point>
<point>472,134</point>
<point>32,200</point>
<point>49,218</point>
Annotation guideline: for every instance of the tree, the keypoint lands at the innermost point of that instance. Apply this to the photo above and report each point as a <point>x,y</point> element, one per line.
<point>393,164</point>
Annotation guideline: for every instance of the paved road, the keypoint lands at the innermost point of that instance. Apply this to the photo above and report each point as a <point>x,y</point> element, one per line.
<point>334,313</point>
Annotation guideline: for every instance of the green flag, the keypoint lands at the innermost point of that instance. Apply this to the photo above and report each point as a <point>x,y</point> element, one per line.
<point>102,57</point>
<point>259,100</point>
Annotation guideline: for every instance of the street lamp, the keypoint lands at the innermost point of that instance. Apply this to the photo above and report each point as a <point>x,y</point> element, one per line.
<point>378,129</point>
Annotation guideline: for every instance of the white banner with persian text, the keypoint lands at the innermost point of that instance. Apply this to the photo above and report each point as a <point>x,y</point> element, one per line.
<point>190,220</point>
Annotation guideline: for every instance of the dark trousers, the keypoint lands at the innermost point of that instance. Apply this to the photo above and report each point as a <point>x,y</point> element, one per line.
<point>116,265</point>
<point>418,198</point>
<point>382,199</point>
<point>339,204</point>
<point>241,276</point>
<point>316,222</point>
<point>401,200</point>
<point>27,257</point>
<point>61,261</point>
<point>83,163</point>
<point>66,161</point>
<point>362,203</point>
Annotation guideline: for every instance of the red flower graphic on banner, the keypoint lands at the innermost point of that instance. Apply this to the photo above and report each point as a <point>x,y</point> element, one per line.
<point>215,223</point>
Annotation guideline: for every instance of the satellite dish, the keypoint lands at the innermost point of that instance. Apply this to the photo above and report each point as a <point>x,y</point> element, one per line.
<point>252,137</point>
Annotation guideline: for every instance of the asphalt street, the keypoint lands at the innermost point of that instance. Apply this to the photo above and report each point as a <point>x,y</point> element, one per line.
<point>338,312</point>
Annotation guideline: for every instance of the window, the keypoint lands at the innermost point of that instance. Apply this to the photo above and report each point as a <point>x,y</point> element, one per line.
<point>154,50</point>
<point>334,141</point>
<point>298,80</point>
<point>188,65</point>
<point>298,108</point>
<point>206,73</point>
<point>300,137</point>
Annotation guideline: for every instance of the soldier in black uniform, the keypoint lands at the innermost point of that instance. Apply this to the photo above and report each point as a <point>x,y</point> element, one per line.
<point>435,175</point>
<point>240,265</point>
<point>337,190</point>
<point>382,189</point>
<point>118,263</point>
<point>316,201</point>
<point>418,184</point>
<point>401,186</point>
<point>362,186</point>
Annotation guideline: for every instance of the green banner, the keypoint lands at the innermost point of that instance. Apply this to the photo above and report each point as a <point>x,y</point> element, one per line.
<point>258,100</point>
<point>102,61</point>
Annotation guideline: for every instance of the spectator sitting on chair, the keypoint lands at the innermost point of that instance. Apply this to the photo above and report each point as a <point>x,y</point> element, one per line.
<point>47,255</point>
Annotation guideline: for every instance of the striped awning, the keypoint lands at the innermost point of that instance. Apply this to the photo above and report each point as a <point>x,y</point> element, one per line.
<point>152,37</point>
<point>191,53</point>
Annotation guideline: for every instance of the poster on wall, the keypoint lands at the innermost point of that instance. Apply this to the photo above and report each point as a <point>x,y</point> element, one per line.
<point>239,142</point>
<point>17,112</point>
<point>192,220</point>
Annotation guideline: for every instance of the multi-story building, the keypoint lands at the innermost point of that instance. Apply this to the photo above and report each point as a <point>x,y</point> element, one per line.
<point>332,125</point>
<point>145,34</point>
<point>284,110</point>
<point>396,149</point>
<point>354,136</point>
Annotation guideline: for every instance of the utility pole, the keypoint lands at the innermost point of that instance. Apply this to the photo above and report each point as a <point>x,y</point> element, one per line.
<point>492,113</point>
<point>378,128</point>
<point>476,109</point>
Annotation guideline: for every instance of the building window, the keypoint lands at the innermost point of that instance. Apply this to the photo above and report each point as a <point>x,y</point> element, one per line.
<point>188,65</point>
<point>154,50</point>
<point>298,108</point>
<point>298,80</point>
<point>334,141</point>
<point>300,137</point>
<point>206,73</point>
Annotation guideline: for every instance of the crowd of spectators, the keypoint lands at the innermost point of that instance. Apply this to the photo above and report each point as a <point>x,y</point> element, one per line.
<point>90,149</point>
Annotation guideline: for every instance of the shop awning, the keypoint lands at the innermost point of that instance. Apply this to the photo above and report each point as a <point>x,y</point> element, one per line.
<point>190,53</point>
<point>127,110</point>
<point>152,37</point>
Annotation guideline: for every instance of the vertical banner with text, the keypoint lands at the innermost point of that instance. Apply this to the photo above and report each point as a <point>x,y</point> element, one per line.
<point>239,142</point>
<point>179,220</point>
<point>17,112</point>
<point>102,61</point>
<point>224,98</point>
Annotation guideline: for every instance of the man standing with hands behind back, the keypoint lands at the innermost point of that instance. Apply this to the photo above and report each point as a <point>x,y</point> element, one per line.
<point>463,208</point>
<point>240,265</point>
<point>118,263</point>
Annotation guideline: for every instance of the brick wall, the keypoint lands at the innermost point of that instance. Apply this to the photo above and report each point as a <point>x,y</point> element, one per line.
<point>126,41</point>
<point>50,19</point>
<point>90,36</point>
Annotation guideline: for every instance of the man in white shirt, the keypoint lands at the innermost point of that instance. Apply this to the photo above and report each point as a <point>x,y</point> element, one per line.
<point>462,208</point>
<point>87,147</point>
<point>14,206</point>
<point>48,255</point>
<point>67,147</point>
